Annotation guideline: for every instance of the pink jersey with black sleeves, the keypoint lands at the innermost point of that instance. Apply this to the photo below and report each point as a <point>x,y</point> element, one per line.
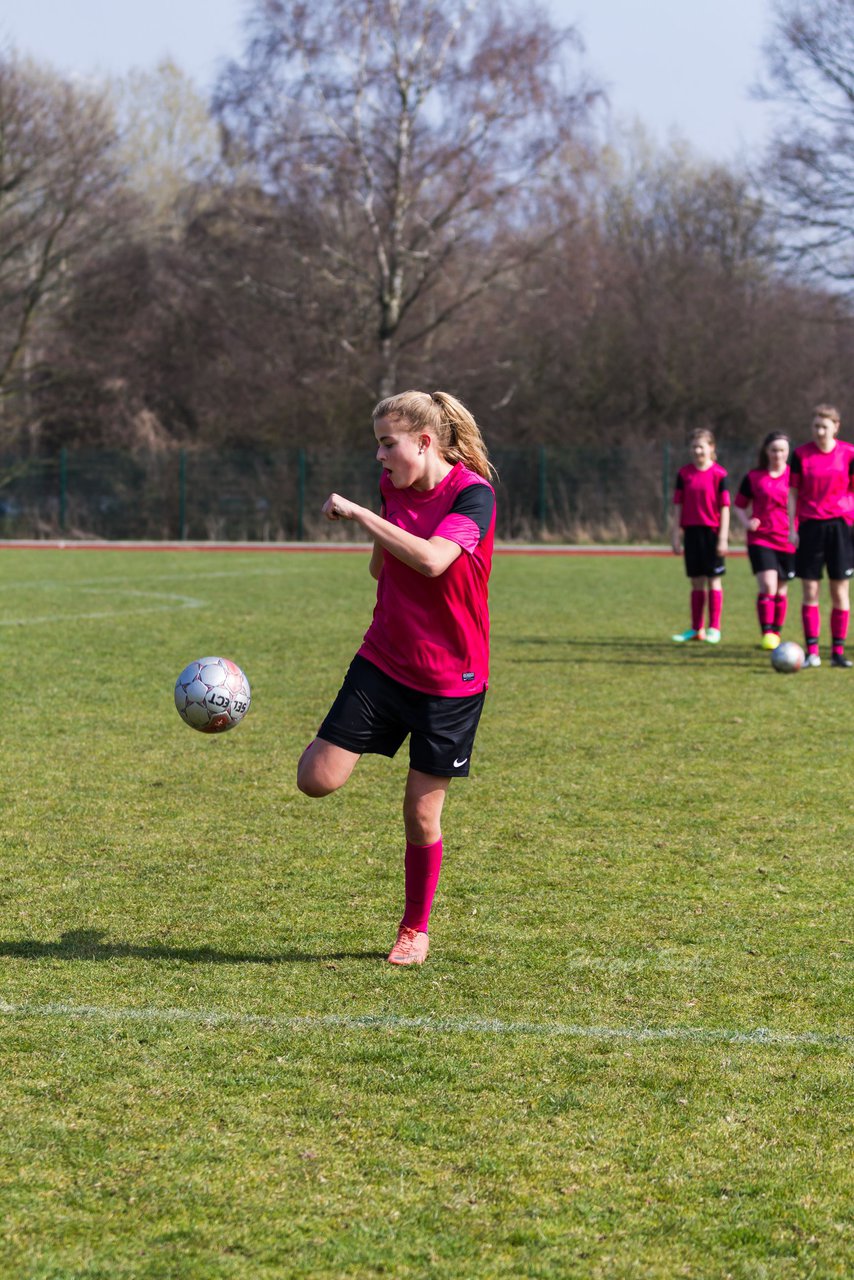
<point>824,481</point>
<point>432,634</point>
<point>702,495</point>
<point>767,496</point>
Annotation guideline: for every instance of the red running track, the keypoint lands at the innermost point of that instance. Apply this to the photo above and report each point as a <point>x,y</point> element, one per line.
<point>506,549</point>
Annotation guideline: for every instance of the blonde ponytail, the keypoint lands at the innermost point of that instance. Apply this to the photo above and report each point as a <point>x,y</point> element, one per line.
<point>458,436</point>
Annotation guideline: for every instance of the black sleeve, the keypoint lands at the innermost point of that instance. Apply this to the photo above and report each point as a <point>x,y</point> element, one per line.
<point>478,503</point>
<point>795,466</point>
<point>722,486</point>
<point>745,488</point>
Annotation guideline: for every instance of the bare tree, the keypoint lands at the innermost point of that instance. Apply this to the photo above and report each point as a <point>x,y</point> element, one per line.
<point>418,132</point>
<point>809,170</point>
<point>168,140</point>
<point>58,183</point>
<point>661,311</point>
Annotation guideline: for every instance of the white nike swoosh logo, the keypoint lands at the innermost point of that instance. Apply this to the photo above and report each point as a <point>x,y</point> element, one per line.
<point>458,764</point>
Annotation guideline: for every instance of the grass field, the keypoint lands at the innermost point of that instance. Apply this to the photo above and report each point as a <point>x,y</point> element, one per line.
<point>630,1053</point>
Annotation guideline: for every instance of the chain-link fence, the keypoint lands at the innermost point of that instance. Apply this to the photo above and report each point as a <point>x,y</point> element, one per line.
<point>544,493</point>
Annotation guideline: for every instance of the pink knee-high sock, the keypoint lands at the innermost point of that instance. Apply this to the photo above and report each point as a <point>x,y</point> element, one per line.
<point>698,603</point>
<point>838,629</point>
<point>811,619</point>
<point>780,604</point>
<point>716,604</point>
<point>422,865</point>
<point>765,612</point>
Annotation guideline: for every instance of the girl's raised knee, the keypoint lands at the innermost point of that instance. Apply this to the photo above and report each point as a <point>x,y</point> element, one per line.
<point>310,784</point>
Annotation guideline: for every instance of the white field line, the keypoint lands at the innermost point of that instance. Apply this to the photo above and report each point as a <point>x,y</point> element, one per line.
<point>762,1036</point>
<point>171,602</point>
<point>106,581</point>
<point>114,587</point>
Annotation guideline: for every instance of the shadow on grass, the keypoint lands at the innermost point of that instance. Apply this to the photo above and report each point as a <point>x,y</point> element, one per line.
<point>642,653</point>
<point>86,944</point>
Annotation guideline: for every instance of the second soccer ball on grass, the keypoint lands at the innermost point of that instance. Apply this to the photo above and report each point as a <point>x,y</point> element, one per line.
<point>788,657</point>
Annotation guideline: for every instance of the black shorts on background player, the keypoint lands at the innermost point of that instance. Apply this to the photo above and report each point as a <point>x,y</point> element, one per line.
<point>824,542</point>
<point>374,713</point>
<point>701,552</point>
<point>765,559</point>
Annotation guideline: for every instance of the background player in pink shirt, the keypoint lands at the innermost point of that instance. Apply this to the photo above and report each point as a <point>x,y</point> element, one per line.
<point>820,498</point>
<point>701,524</point>
<point>761,506</point>
<point>423,666</point>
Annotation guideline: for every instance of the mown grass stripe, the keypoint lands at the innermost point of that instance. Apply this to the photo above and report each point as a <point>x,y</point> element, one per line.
<point>438,1026</point>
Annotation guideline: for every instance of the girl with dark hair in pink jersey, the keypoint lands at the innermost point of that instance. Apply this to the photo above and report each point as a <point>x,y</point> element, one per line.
<point>820,500</point>
<point>700,524</point>
<point>764,493</point>
<point>422,669</point>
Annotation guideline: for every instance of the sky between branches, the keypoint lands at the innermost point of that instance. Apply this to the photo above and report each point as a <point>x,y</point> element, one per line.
<point>676,65</point>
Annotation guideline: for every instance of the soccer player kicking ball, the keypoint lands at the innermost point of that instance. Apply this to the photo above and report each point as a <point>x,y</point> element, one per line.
<point>422,669</point>
<point>700,523</point>
<point>821,495</point>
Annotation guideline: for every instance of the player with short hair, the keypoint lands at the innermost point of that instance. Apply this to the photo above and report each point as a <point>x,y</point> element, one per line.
<point>761,507</point>
<point>821,496</point>
<point>423,666</point>
<point>700,526</point>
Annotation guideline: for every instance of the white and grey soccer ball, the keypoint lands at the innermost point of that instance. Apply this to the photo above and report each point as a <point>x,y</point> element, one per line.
<point>788,657</point>
<point>212,695</point>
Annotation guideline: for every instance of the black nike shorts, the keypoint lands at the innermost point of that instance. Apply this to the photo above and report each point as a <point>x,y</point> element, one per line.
<point>820,543</point>
<point>372,714</point>
<point>701,552</point>
<point>764,559</point>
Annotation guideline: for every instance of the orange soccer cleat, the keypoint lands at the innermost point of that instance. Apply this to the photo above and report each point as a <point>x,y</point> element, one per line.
<point>411,947</point>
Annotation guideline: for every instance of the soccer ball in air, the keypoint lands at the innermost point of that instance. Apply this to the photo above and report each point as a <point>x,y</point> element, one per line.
<point>212,695</point>
<point>788,657</point>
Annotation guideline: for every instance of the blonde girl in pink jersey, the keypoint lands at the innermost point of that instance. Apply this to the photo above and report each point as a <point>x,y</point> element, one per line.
<point>700,530</point>
<point>422,669</point>
<point>821,496</point>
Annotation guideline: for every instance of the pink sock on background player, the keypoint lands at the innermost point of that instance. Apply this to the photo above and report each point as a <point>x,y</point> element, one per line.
<point>765,612</point>
<point>698,604</point>
<point>716,604</point>
<point>838,629</point>
<point>811,619</point>
<point>780,606</point>
<point>422,865</point>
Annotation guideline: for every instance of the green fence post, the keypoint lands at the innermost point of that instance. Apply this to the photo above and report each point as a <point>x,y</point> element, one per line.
<point>665,488</point>
<point>63,488</point>
<point>182,495</point>
<point>541,489</point>
<point>300,493</point>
